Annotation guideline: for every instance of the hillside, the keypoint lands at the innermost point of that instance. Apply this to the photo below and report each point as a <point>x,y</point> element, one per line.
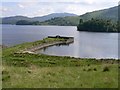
<point>65,21</point>
<point>97,25</point>
<point>111,13</point>
<point>50,16</point>
<point>14,19</point>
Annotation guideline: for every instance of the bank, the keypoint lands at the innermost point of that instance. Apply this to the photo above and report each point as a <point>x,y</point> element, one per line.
<point>29,70</point>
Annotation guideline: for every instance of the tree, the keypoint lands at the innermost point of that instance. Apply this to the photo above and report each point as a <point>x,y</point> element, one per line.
<point>81,21</point>
<point>23,22</point>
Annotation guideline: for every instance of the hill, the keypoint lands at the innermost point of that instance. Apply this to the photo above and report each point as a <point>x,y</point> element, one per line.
<point>50,16</point>
<point>65,21</point>
<point>14,19</point>
<point>111,13</point>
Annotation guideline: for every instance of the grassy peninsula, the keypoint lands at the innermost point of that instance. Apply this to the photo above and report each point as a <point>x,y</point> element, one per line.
<point>25,70</point>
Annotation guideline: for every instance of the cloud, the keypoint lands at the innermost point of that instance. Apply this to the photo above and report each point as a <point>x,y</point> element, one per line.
<point>76,8</point>
<point>90,1</point>
<point>21,6</point>
<point>34,8</point>
<point>43,11</point>
<point>28,4</point>
<point>3,9</point>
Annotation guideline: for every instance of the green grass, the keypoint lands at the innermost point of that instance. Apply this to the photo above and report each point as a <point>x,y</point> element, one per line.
<point>60,77</point>
<point>43,71</point>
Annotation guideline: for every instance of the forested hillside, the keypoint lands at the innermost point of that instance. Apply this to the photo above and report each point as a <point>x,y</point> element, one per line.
<point>98,25</point>
<point>109,14</point>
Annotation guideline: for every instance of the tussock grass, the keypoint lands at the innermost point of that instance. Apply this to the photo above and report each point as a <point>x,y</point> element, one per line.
<point>105,69</point>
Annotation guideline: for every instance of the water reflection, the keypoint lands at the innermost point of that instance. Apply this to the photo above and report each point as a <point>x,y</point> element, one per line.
<point>58,45</point>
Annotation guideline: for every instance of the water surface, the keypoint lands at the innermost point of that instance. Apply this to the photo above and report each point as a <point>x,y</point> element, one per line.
<point>86,44</point>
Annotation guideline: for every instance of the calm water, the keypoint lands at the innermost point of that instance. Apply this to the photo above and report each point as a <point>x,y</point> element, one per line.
<point>86,44</point>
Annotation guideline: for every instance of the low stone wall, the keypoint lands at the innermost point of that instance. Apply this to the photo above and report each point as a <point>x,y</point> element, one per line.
<point>44,45</point>
<point>61,37</point>
<point>38,47</point>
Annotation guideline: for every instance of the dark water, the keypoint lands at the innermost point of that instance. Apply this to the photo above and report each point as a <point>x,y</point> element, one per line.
<point>86,44</point>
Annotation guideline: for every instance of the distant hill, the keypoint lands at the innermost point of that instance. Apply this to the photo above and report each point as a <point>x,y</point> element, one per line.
<point>50,16</point>
<point>66,19</point>
<point>111,13</point>
<point>62,21</point>
<point>14,19</point>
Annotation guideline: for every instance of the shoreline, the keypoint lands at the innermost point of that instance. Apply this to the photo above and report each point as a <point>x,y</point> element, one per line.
<point>32,50</point>
<point>61,40</point>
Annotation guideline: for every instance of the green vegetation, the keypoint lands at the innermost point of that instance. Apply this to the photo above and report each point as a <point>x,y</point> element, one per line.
<point>109,14</point>
<point>25,22</point>
<point>24,70</point>
<point>62,21</point>
<point>97,25</point>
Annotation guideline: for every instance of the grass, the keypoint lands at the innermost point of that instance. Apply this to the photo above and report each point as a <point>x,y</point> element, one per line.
<point>44,71</point>
<point>59,77</point>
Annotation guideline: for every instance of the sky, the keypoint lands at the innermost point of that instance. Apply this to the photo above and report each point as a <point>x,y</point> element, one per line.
<point>34,8</point>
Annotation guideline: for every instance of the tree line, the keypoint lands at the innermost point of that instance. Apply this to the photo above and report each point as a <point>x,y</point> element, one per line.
<point>25,22</point>
<point>98,25</point>
<point>58,21</point>
<point>53,21</point>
